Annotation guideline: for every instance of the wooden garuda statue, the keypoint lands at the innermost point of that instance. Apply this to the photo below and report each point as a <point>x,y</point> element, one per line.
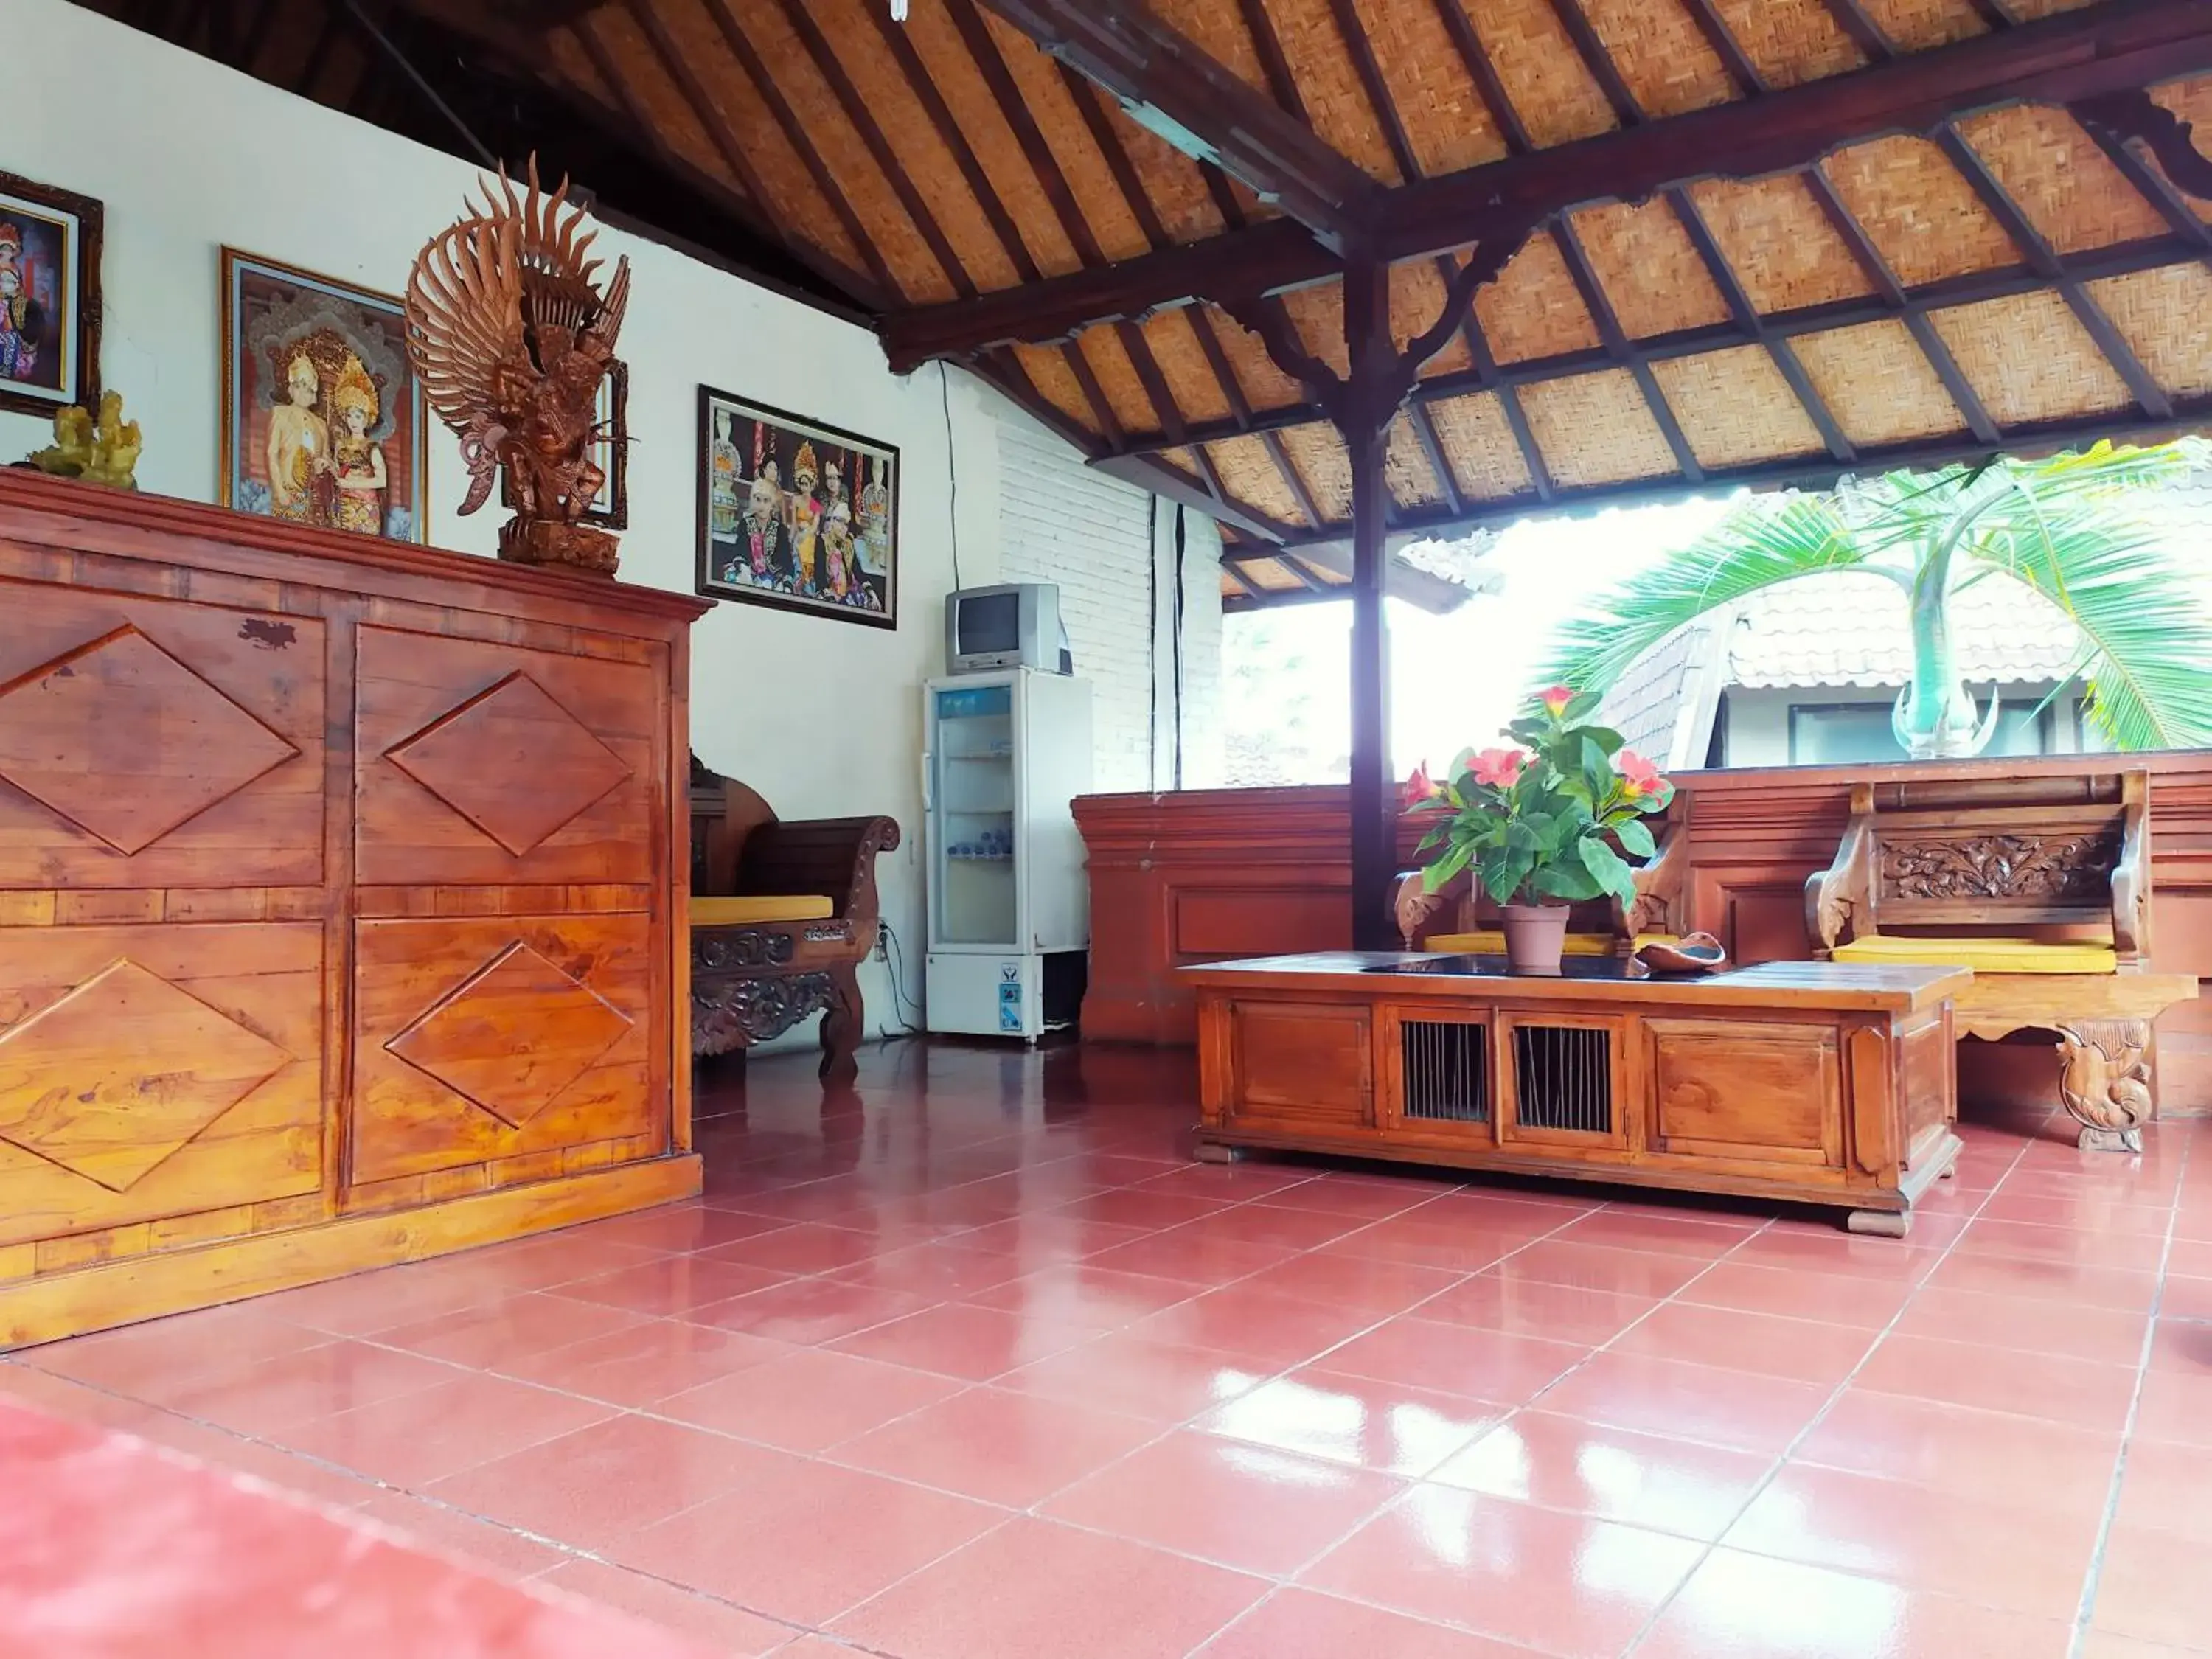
<point>513,339</point>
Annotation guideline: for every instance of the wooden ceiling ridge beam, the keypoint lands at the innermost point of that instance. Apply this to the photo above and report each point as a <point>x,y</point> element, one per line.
<point>1169,84</point>
<point>2121,45</point>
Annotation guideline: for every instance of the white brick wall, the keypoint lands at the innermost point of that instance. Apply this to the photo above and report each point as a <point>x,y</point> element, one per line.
<point>1063,522</point>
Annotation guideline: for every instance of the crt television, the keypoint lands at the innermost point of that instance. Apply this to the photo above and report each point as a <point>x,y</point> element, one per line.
<point>1014,625</point>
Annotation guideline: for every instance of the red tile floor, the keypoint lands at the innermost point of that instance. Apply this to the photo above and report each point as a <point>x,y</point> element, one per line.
<point>973,1363</point>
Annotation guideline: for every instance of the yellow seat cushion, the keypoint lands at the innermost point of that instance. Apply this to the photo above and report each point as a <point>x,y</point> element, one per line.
<point>1983,956</point>
<point>731,912</point>
<point>1491,942</point>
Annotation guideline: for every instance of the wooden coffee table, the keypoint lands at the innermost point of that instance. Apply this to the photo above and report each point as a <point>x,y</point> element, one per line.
<point>1821,1083</point>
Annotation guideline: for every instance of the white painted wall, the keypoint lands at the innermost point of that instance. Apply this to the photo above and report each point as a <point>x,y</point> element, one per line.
<point>1110,548</point>
<point>822,717</point>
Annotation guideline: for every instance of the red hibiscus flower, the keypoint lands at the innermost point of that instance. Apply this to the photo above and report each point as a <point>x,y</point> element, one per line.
<point>1500,768</point>
<point>1420,788</point>
<point>1556,699</point>
<point>1639,777</point>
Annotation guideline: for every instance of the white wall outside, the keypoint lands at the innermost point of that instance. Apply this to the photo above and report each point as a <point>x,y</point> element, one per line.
<point>1110,548</point>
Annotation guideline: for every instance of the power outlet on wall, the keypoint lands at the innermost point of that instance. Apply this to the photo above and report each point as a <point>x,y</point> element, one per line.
<point>883,951</point>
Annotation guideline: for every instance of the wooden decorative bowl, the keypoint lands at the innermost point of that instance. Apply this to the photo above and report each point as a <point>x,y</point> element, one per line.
<point>1694,953</point>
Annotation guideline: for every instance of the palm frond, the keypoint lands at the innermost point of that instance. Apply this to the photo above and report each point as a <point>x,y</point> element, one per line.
<point>1763,543</point>
<point>2149,644</point>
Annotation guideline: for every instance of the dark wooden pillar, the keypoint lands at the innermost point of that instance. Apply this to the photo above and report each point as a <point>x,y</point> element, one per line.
<point>1366,410</point>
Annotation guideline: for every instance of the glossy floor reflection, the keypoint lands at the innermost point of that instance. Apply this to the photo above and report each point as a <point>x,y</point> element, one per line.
<point>974,1364</point>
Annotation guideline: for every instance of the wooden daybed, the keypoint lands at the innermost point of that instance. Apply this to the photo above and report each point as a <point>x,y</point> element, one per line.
<point>782,915</point>
<point>2043,887</point>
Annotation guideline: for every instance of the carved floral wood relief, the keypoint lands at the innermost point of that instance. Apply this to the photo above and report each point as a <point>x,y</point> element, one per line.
<point>2063,868</point>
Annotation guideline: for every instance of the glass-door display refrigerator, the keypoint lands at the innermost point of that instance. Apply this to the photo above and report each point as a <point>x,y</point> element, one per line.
<point>1006,755</point>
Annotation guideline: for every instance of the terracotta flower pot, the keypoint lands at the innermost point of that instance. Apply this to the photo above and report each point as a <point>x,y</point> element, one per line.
<point>1535,937</point>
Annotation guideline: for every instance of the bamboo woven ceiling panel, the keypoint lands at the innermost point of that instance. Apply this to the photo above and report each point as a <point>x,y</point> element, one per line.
<point>1102,349</point>
<point>1406,470</point>
<point>1781,246</point>
<point>1172,338</point>
<point>1318,313</point>
<point>2071,193</point>
<point>928,162</point>
<point>1923,216</point>
<point>1735,407</point>
<point>1051,373</point>
<point>1318,454</point>
<point>1662,58</point>
<point>1050,101</point>
<point>896,238</point>
<point>1215,27</point>
<point>1649,269</point>
<point>1917,24</point>
<point>1556,97</point>
<point>1596,429</point>
<point>2029,360</point>
<point>2191,100</point>
<point>641,81</point>
<point>1264,386</point>
<point>953,69</point>
<point>1171,180</point>
<point>1478,443</point>
<point>1250,473</point>
<point>1447,124</point>
<point>1789,41</point>
<point>1335,105</point>
<point>1878,384</point>
<point>1532,310</point>
<point>2162,315</point>
<point>1416,300</point>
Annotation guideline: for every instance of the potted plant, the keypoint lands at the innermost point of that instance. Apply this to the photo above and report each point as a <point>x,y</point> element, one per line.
<point>1542,823</point>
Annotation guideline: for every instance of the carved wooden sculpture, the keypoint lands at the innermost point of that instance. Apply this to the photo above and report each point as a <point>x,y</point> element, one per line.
<point>2105,1080</point>
<point>512,338</point>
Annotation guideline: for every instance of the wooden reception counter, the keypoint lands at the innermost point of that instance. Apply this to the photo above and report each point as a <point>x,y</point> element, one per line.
<point>342,891</point>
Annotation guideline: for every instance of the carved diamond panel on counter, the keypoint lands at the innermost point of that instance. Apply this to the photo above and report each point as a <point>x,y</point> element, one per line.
<point>512,1038</point>
<point>512,761</point>
<point>126,742</point>
<point>121,1072</point>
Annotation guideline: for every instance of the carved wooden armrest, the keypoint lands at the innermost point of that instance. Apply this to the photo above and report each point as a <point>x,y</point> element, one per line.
<point>1839,900</point>
<point>2131,907</point>
<point>1658,903</point>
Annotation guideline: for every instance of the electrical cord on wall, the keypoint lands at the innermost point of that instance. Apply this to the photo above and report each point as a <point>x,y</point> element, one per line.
<point>1153,643</point>
<point>895,960</point>
<point>951,467</point>
<point>1182,542</point>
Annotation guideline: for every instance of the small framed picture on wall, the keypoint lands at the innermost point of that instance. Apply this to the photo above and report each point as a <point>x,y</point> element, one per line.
<point>49,298</point>
<point>322,415</point>
<point>796,514</point>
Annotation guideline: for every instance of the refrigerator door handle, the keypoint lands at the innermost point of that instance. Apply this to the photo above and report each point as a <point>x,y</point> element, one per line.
<point>927,771</point>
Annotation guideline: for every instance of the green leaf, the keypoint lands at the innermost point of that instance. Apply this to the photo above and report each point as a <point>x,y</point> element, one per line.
<point>1559,882</point>
<point>1609,871</point>
<point>1635,836</point>
<point>1436,875</point>
<point>1605,738</point>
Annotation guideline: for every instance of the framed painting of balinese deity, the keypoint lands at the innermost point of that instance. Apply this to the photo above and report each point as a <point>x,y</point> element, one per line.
<point>796,514</point>
<point>322,415</point>
<point>49,298</point>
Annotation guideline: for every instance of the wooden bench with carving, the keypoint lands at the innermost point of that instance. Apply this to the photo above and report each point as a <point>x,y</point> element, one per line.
<point>1460,919</point>
<point>782,915</point>
<point>2043,887</point>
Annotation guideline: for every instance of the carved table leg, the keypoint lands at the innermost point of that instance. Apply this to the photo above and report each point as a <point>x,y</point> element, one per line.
<point>2104,1080</point>
<point>841,1026</point>
<point>1881,1223</point>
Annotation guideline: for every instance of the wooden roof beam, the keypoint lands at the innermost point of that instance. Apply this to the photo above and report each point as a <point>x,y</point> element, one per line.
<point>1170,85</point>
<point>2122,44</point>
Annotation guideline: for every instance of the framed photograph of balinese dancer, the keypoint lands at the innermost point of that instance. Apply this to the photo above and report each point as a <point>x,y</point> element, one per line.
<point>49,298</point>
<point>323,418</point>
<point>796,514</point>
